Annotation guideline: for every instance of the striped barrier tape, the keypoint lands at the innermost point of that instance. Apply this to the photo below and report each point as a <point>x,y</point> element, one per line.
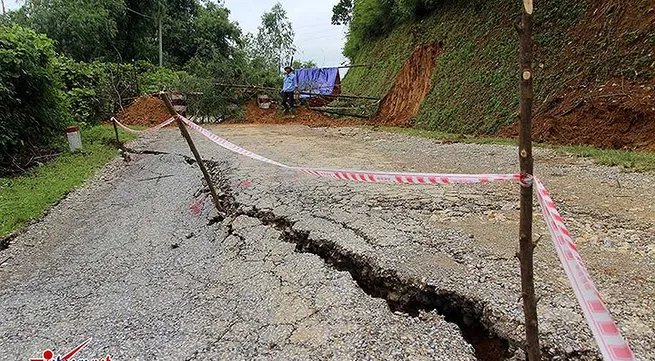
<point>607,335</point>
<point>612,345</point>
<point>167,122</point>
<point>361,176</point>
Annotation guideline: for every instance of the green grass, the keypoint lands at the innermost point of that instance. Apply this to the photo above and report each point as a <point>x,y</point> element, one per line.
<point>26,198</point>
<point>628,160</point>
<point>632,161</point>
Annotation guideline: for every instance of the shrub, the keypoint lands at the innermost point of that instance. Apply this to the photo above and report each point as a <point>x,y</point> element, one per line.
<point>31,101</point>
<point>153,79</point>
<point>86,90</point>
<point>372,19</point>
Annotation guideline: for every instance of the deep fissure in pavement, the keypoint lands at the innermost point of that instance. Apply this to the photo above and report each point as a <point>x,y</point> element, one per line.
<point>403,296</point>
<point>409,297</point>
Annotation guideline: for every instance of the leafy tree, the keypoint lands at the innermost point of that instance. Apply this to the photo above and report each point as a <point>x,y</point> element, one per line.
<point>342,12</point>
<point>83,29</point>
<point>297,64</point>
<point>274,40</point>
<point>215,34</point>
<point>137,30</point>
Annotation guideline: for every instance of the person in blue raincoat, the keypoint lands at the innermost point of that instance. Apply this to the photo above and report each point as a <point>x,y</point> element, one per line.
<point>288,88</point>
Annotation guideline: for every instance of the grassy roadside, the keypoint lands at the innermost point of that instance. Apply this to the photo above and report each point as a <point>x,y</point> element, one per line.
<point>27,197</point>
<point>630,161</point>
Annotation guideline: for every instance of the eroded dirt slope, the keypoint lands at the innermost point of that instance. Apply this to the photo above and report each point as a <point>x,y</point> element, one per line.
<point>403,101</point>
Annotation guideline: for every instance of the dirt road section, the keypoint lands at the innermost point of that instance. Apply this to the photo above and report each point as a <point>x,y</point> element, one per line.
<point>304,116</point>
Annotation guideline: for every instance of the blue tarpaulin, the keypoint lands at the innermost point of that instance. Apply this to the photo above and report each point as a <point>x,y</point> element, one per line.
<point>316,80</point>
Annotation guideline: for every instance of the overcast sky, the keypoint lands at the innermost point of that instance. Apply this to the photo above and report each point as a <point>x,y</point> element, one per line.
<point>316,38</point>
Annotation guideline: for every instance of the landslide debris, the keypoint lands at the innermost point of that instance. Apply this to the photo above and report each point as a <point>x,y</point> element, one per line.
<point>403,101</point>
<point>146,111</point>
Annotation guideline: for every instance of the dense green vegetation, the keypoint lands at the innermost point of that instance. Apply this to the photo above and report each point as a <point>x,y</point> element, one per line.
<point>127,30</point>
<point>372,19</point>
<point>27,197</point>
<point>31,102</point>
<point>65,62</point>
<point>79,61</point>
<point>475,83</point>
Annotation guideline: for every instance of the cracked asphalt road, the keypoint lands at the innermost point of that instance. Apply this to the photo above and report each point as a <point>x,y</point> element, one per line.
<point>128,261</point>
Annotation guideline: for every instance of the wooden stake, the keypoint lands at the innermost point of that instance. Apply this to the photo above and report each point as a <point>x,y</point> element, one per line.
<point>526,246</point>
<point>118,141</point>
<point>194,150</point>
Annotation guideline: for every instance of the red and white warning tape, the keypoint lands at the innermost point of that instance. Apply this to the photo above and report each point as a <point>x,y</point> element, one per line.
<point>167,122</point>
<point>361,176</point>
<point>227,144</point>
<point>607,335</point>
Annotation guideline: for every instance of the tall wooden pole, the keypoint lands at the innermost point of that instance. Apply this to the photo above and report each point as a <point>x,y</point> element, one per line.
<point>526,246</point>
<point>194,150</point>
<point>118,141</point>
<point>161,41</point>
<point>4,11</point>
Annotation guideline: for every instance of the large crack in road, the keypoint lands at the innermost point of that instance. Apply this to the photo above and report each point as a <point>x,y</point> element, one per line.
<point>404,296</point>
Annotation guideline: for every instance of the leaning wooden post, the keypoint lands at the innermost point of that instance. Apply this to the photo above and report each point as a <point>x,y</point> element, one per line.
<point>194,150</point>
<point>118,141</point>
<point>526,246</point>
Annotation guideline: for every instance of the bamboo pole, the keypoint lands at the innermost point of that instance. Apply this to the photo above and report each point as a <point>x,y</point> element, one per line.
<point>354,66</point>
<point>329,111</point>
<point>526,245</point>
<point>341,96</point>
<point>255,87</point>
<point>194,150</point>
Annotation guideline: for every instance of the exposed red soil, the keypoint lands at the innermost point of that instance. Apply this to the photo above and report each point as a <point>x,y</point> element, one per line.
<point>613,116</point>
<point>304,116</point>
<point>403,101</point>
<point>146,111</point>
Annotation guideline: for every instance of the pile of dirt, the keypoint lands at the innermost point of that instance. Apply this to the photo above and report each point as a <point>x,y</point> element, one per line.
<point>146,111</point>
<point>403,101</point>
<point>613,116</point>
<point>304,116</point>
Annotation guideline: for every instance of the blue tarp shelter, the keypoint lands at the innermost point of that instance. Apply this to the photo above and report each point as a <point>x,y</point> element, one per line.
<point>319,81</point>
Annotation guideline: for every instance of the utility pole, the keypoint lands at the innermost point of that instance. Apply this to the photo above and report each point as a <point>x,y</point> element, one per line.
<point>4,12</point>
<point>526,161</point>
<point>159,31</point>
<point>161,46</point>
